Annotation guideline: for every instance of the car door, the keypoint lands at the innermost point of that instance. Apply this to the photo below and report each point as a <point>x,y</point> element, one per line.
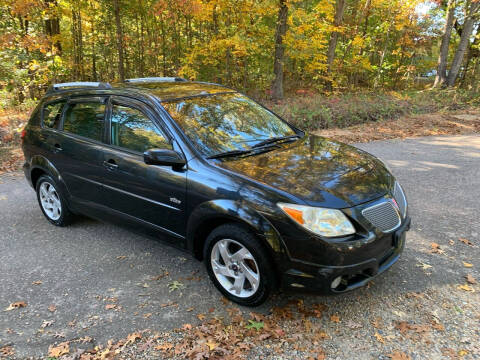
<point>153,194</point>
<point>79,147</point>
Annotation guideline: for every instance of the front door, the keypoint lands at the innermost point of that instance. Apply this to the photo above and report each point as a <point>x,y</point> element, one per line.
<point>155,195</point>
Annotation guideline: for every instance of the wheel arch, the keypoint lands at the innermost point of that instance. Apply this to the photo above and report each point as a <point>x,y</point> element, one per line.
<point>209,215</point>
<point>39,166</point>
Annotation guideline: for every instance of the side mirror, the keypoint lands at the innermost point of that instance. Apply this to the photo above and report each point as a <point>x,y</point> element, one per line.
<point>164,157</point>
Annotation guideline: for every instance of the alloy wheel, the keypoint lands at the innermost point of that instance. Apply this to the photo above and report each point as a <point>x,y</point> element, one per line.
<point>235,268</point>
<point>50,201</point>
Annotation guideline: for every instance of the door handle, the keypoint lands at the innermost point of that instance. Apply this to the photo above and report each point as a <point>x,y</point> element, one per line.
<point>110,164</point>
<point>57,148</point>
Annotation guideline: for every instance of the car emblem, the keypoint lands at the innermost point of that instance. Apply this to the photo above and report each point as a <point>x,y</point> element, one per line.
<point>175,200</point>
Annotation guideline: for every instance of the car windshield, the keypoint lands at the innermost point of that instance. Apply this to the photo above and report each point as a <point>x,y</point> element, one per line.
<point>226,122</point>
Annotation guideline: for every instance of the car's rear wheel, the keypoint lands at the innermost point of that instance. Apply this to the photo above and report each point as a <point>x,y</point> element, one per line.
<point>52,201</point>
<point>238,265</point>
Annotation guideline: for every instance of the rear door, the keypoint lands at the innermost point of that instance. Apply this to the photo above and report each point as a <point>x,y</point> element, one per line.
<point>80,146</point>
<point>155,195</point>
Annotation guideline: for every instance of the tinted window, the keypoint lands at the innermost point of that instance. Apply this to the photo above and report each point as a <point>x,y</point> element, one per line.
<point>220,123</point>
<point>51,114</point>
<point>133,130</point>
<point>85,119</point>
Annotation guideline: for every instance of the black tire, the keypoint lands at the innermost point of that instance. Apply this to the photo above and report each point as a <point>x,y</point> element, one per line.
<point>66,215</point>
<point>247,239</point>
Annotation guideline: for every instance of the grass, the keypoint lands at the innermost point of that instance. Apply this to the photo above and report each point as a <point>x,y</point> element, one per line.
<point>316,111</point>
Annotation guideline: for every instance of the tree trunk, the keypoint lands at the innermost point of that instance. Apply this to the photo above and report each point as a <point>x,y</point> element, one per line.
<point>52,26</point>
<point>332,45</point>
<point>464,42</point>
<point>277,85</point>
<point>441,77</point>
<point>472,52</point>
<point>118,22</point>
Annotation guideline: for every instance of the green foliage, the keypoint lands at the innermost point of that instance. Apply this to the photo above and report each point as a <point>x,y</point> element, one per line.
<point>322,112</point>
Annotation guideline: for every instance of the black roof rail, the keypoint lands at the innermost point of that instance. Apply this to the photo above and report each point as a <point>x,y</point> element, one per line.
<point>156,79</point>
<point>78,85</point>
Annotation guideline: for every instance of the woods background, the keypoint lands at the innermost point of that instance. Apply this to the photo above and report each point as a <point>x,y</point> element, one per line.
<point>265,48</point>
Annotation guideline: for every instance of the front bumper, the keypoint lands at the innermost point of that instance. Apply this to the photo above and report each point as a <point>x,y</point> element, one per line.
<point>319,278</point>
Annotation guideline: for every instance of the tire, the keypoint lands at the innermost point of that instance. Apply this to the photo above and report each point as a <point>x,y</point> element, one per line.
<point>52,202</point>
<point>252,263</point>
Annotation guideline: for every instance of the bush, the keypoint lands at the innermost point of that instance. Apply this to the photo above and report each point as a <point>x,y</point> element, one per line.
<point>317,111</point>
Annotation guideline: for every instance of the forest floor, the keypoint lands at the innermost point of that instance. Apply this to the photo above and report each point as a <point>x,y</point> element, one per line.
<point>97,291</point>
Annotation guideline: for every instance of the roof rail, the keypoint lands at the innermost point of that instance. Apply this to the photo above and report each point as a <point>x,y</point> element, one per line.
<point>156,79</point>
<point>79,85</point>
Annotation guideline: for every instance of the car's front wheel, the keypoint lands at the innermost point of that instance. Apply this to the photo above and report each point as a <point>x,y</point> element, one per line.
<point>238,265</point>
<point>52,202</point>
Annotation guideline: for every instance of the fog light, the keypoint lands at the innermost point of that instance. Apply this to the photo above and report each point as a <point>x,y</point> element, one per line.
<point>336,282</point>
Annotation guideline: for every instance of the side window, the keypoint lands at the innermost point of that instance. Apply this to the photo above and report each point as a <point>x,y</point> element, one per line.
<point>133,130</point>
<point>51,114</point>
<point>85,119</point>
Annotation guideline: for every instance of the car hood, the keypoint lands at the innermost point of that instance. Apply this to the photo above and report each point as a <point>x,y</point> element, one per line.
<point>319,171</point>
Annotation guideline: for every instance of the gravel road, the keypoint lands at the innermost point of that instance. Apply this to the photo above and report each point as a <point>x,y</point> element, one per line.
<point>97,281</point>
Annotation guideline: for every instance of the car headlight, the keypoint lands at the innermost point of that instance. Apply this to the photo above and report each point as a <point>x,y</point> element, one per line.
<point>321,221</point>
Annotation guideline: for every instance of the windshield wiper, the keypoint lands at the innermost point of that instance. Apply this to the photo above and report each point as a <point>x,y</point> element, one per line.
<point>229,153</point>
<point>274,140</point>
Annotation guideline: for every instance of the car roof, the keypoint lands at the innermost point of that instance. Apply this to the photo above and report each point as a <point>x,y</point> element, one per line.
<point>162,90</point>
<point>167,91</point>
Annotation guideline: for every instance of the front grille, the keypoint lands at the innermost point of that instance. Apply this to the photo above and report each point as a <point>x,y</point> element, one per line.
<point>383,216</point>
<point>399,196</point>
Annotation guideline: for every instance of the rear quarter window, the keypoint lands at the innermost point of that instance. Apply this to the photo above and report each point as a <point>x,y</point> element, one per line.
<point>52,113</point>
<point>85,119</point>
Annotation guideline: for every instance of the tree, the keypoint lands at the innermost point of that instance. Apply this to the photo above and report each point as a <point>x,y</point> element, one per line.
<point>118,23</point>
<point>332,45</point>
<point>277,85</point>
<point>441,76</point>
<point>473,8</point>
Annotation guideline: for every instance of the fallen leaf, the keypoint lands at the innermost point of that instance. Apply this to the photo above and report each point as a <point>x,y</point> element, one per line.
<point>466,241</point>
<point>38,282</point>
<point>335,318</point>
<point>378,323</point>
<point>46,323</point>
<point>201,317</point>
<point>470,279</point>
<point>190,309</point>
<point>59,350</point>
<point>175,285</point>
<point>147,315</point>
<point>436,249</point>
<point>131,338</point>
<point>463,352</point>
<point>399,355</point>
<point>257,325</point>
<point>466,288</point>
<point>110,306</point>
<point>321,355</point>
<point>424,266</point>
<point>7,351</point>
<point>467,265</point>
<point>379,338</point>
<point>437,326</point>
<point>52,308</point>
<point>211,345</point>
<point>16,305</point>
<point>164,347</point>
<point>187,326</point>
<point>121,257</point>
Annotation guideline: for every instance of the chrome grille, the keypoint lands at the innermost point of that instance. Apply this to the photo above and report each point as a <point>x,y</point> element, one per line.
<point>399,196</point>
<point>383,216</point>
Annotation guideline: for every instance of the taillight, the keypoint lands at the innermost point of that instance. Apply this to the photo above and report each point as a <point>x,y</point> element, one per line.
<point>24,132</point>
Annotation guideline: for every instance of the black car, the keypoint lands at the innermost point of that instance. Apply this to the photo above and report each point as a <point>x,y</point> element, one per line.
<point>211,171</point>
